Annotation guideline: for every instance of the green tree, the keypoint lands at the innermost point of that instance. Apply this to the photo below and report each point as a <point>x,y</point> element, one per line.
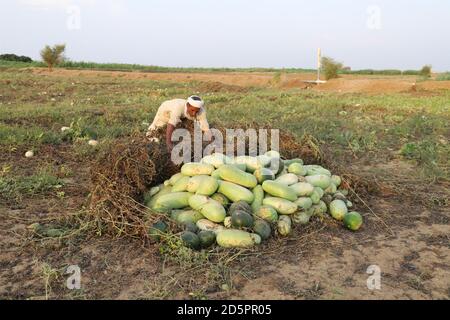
<point>330,68</point>
<point>425,71</point>
<point>14,57</point>
<point>53,56</point>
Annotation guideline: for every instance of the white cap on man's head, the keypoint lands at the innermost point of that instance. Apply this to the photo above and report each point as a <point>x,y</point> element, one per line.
<point>196,102</point>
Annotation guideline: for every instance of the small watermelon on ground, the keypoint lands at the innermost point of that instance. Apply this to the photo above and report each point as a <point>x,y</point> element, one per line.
<point>353,221</point>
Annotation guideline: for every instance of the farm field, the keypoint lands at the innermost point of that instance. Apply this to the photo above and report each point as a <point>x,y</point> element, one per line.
<point>390,132</point>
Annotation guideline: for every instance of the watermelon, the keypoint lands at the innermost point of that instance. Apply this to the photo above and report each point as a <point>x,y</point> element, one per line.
<point>156,230</point>
<point>284,225</point>
<point>338,209</point>
<point>353,221</point>
<point>297,169</point>
<point>181,184</point>
<point>262,228</point>
<point>207,238</point>
<point>191,240</point>
<point>221,199</point>
<point>231,238</point>
<point>282,206</point>
<point>241,206</point>
<point>206,225</point>
<point>315,197</point>
<point>173,180</point>
<point>241,219</point>
<point>287,179</point>
<point>279,190</point>
<point>336,180</point>
<point>301,217</point>
<point>190,226</point>
<point>181,216</point>
<point>267,213</point>
<point>304,203</point>
<point>258,192</point>
<point>287,163</point>
<point>232,174</point>
<point>321,180</point>
<point>264,174</point>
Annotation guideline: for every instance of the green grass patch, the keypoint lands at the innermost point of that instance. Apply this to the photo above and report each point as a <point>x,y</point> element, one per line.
<point>14,188</point>
<point>85,65</point>
<point>443,77</point>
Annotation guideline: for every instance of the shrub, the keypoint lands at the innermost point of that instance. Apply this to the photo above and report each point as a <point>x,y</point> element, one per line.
<point>425,71</point>
<point>53,56</point>
<point>330,68</point>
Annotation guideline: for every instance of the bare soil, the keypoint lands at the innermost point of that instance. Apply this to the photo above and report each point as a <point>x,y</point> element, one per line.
<point>345,84</point>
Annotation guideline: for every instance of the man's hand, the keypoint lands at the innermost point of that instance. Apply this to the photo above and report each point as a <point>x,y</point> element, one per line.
<point>150,136</point>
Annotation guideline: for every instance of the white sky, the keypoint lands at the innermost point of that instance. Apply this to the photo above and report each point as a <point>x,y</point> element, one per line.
<point>400,34</point>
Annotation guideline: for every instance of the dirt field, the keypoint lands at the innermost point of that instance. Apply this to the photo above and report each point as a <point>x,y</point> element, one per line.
<point>390,132</point>
<point>346,84</point>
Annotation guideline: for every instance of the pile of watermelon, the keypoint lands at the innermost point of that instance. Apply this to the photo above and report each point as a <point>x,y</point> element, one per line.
<point>243,201</point>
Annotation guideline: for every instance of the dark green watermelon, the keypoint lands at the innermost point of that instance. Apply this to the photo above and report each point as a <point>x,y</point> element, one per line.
<point>156,230</point>
<point>242,219</point>
<point>207,238</point>
<point>262,228</point>
<point>191,240</point>
<point>240,206</point>
<point>190,226</point>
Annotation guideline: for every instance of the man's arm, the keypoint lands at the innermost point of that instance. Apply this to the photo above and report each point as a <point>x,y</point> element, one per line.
<point>169,132</point>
